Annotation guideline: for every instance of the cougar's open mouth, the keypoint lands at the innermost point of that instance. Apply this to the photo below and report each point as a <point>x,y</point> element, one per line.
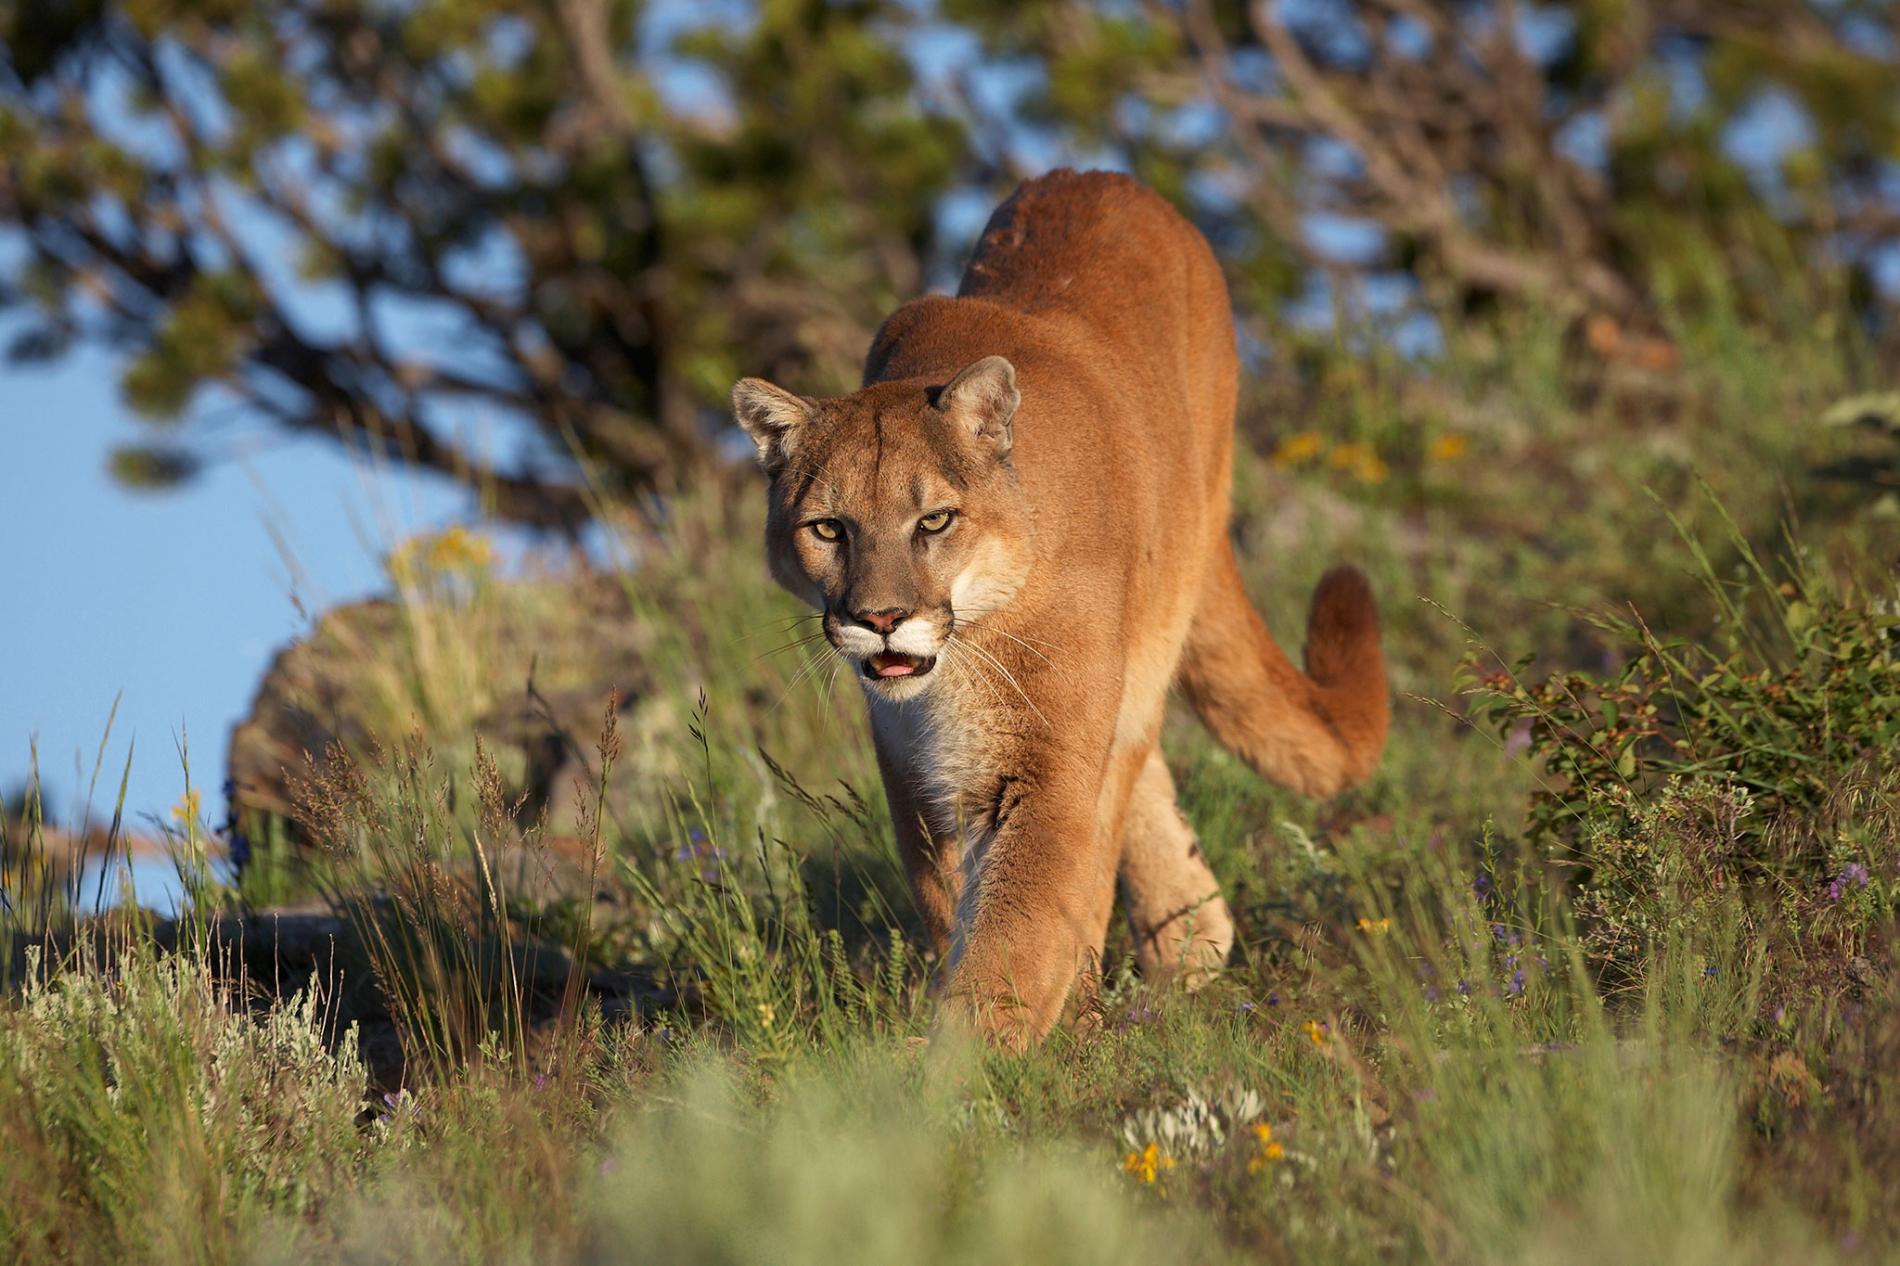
<point>886,664</point>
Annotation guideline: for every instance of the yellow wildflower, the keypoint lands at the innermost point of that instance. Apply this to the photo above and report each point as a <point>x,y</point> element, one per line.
<point>1316,1031</point>
<point>1360,460</point>
<point>186,810</point>
<point>455,550</point>
<point>1148,1163</point>
<point>459,549</point>
<point>1448,447</point>
<point>1375,926</point>
<point>1269,1152</point>
<point>767,1014</point>
<point>1297,448</point>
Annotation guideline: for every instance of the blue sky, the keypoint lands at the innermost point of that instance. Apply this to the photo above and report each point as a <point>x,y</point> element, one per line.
<point>178,599</point>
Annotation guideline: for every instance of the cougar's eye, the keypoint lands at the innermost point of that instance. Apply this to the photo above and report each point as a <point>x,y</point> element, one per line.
<point>936,521</point>
<point>828,529</point>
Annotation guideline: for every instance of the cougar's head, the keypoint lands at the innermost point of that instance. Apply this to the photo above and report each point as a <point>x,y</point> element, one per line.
<point>895,511</point>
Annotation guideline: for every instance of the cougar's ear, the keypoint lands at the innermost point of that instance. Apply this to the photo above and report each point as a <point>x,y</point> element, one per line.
<point>772,416</point>
<point>983,397</point>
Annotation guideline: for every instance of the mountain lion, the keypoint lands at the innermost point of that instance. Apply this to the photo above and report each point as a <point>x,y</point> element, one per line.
<point>1016,533</point>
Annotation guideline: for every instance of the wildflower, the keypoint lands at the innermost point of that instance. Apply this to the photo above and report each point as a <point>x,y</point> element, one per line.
<point>1147,1164</point>
<point>1853,873</point>
<point>459,549</point>
<point>1448,447</point>
<point>1317,1031</point>
<point>1136,1015</point>
<point>698,848</point>
<point>767,1014</point>
<point>1377,927</point>
<point>397,1103</point>
<point>1269,1152</point>
<point>186,810</point>
<point>237,850</point>
<point>1297,448</point>
<point>1515,985</point>
<point>455,550</point>
<point>1360,460</point>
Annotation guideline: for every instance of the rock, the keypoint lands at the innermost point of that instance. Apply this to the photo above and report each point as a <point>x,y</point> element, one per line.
<point>527,668</point>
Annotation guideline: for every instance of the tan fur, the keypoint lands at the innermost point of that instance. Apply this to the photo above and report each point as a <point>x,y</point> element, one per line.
<point>1073,406</point>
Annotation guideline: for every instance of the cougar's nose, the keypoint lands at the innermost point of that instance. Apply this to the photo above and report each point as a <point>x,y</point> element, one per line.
<point>882,621</point>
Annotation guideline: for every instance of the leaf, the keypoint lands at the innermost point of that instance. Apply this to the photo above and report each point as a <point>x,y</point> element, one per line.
<point>38,345</point>
<point>152,467</point>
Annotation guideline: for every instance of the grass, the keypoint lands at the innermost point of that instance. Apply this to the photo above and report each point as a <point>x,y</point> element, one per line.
<point>1541,991</point>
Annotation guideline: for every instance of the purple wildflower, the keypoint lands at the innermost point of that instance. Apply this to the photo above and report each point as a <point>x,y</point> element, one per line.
<point>698,848</point>
<point>1136,1016</point>
<point>1853,874</point>
<point>396,1102</point>
<point>1515,985</point>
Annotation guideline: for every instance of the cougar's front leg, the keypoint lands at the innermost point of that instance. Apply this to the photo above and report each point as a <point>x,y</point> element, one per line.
<point>1032,915</point>
<point>931,863</point>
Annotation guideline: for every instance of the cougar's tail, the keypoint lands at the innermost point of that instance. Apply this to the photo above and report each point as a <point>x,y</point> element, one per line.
<point>1316,732</point>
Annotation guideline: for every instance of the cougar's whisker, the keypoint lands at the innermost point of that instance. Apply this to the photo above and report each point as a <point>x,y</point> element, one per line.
<point>807,640</point>
<point>992,629</point>
<point>1004,672</point>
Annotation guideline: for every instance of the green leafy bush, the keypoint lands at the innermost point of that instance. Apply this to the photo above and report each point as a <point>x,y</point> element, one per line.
<point>1757,770</point>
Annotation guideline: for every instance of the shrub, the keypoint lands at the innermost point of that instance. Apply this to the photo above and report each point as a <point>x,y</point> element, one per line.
<point>1756,771</point>
<point>146,1111</point>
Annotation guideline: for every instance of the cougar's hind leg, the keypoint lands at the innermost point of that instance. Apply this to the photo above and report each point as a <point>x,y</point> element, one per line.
<point>1180,922</point>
